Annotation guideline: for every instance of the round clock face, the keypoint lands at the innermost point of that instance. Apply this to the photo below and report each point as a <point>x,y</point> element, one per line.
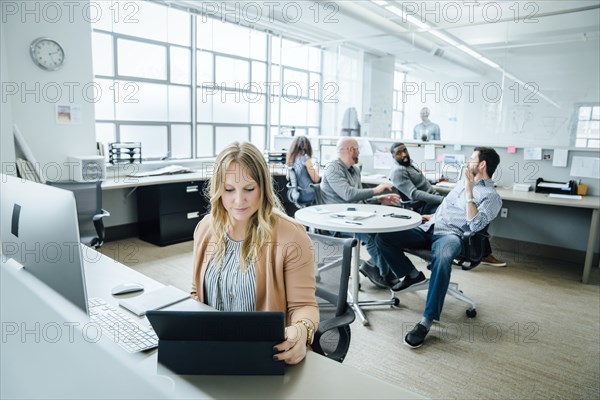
<point>47,54</point>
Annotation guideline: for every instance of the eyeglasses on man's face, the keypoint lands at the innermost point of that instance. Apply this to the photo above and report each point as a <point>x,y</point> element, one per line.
<point>353,148</point>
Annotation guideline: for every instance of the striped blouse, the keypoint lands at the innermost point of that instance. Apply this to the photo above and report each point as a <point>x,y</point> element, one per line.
<point>227,288</point>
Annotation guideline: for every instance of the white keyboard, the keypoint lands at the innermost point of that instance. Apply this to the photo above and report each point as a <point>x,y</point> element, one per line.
<point>121,328</point>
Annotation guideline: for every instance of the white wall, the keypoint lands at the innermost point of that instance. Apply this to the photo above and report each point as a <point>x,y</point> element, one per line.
<point>490,110</point>
<point>7,151</point>
<point>38,91</point>
<point>378,83</point>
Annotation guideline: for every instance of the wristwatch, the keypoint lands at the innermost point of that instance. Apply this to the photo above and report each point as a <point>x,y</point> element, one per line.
<point>470,201</point>
<point>309,331</point>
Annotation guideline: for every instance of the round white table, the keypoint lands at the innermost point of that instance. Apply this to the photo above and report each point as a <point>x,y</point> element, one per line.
<point>347,218</point>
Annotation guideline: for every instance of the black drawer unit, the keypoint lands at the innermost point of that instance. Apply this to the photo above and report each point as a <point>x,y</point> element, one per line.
<point>168,213</point>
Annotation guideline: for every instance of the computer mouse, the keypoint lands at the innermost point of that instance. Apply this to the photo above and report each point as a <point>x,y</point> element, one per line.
<point>127,288</point>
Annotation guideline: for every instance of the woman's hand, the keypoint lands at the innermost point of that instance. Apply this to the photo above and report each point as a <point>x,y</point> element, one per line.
<point>293,350</point>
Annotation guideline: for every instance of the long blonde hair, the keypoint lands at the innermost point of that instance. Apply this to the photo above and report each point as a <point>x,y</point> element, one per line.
<point>260,227</point>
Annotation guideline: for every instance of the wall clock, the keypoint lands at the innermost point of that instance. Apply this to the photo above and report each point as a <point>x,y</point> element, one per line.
<point>47,54</point>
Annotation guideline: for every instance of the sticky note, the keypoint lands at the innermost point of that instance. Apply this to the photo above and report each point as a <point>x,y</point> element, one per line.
<point>457,147</point>
<point>511,149</point>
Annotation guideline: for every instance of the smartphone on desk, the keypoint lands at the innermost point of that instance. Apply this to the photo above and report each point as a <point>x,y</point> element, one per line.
<point>400,216</point>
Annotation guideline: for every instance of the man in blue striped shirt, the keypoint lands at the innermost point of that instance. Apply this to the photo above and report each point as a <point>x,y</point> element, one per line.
<point>469,207</point>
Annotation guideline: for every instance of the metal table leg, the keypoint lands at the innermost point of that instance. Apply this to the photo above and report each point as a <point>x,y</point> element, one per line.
<point>353,295</point>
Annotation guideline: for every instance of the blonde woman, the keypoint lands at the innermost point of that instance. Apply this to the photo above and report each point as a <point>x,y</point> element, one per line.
<point>250,256</point>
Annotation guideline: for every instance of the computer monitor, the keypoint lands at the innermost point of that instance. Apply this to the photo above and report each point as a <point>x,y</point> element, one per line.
<point>327,154</point>
<point>39,230</point>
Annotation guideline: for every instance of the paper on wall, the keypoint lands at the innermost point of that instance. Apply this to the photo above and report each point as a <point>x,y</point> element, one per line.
<point>382,160</point>
<point>429,153</point>
<point>560,157</point>
<point>532,153</point>
<point>585,167</point>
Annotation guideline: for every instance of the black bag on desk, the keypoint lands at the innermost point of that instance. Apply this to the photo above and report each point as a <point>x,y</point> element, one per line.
<point>542,186</point>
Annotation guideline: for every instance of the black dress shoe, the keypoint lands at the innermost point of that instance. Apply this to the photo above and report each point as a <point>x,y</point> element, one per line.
<point>408,282</point>
<point>391,279</point>
<point>415,338</point>
<point>372,272</point>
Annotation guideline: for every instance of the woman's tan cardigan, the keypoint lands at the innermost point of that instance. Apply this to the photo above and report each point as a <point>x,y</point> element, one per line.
<point>285,278</point>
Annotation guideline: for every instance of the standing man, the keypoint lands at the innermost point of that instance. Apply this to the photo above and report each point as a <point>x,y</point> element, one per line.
<point>469,207</point>
<point>341,183</point>
<point>426,130</point>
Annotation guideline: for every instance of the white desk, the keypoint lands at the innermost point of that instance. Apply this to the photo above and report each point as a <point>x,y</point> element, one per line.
<point>587,202</point>
<point>38,363</point>
<point>314,217</point>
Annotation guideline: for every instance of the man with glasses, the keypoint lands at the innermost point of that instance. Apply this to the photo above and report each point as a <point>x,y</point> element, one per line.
<point>341,183</point>
<point>410,181</point>
<point>469,207</point>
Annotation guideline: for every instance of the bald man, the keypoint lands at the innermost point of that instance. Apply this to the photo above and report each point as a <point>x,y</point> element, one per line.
<point>341,183</point>
<point>426,130</point>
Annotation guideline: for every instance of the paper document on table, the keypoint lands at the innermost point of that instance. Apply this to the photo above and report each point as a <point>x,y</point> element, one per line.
<point>354,215</point>
<point>553,185</point>
<point>169,170</point>
<point>446,184</point>
<point>154,300</point>
<point>344,222</point>
<point>565,196</point>
<point>319,210</point>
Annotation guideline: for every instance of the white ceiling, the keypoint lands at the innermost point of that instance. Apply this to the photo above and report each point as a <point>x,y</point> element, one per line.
<point>556,34</point>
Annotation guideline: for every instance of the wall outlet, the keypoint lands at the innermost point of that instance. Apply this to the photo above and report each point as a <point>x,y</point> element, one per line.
<point>504,213</point>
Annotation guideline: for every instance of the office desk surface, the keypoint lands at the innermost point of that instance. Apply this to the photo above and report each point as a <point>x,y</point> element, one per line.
<point>539,198</point>
<point>586,202</point>
<point>118,179</point>
<point>42,365</point>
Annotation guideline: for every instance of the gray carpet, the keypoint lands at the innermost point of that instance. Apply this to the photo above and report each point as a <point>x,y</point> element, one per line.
<point>536,334</point>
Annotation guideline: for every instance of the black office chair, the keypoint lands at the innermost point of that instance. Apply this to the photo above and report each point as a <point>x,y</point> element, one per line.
<point>405,202</point>
<point>88,198</point>
<point>294,191</point>
<point>332,338</point>
<point>470,257</point>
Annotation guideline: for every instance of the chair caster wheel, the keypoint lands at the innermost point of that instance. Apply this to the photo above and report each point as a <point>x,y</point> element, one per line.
<point>471,313</point>
<point>396,302</point>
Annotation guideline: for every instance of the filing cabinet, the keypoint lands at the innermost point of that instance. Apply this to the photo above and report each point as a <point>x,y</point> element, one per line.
<point>169,213</point>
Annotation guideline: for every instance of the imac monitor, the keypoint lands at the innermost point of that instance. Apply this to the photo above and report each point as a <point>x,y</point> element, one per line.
<point>39,230</point>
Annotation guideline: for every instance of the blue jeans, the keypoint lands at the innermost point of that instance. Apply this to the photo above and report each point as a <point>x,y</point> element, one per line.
<point>444,249</point>
<point>372,248</point>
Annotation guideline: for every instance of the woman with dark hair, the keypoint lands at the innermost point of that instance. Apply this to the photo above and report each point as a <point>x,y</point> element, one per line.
<point>299,158</point>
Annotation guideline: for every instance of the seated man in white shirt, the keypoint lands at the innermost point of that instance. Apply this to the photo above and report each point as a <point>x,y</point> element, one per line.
<point>410,181</point>
<point>469,207</point>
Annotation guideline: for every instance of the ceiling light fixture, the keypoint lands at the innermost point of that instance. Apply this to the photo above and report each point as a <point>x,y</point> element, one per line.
<point>462,47</point>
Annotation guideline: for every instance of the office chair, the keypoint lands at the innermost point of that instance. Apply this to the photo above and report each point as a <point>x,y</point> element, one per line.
<point>293,190</point>
<point>332,338</point>
<point>413,205</point>
<point>88,198</point>
<point>470,257</point>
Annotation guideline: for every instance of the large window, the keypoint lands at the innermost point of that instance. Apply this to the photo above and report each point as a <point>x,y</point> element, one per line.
<point>398,105</point>
<point>587,126</point>
<point>186,85</point>
<point>143,79</point>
